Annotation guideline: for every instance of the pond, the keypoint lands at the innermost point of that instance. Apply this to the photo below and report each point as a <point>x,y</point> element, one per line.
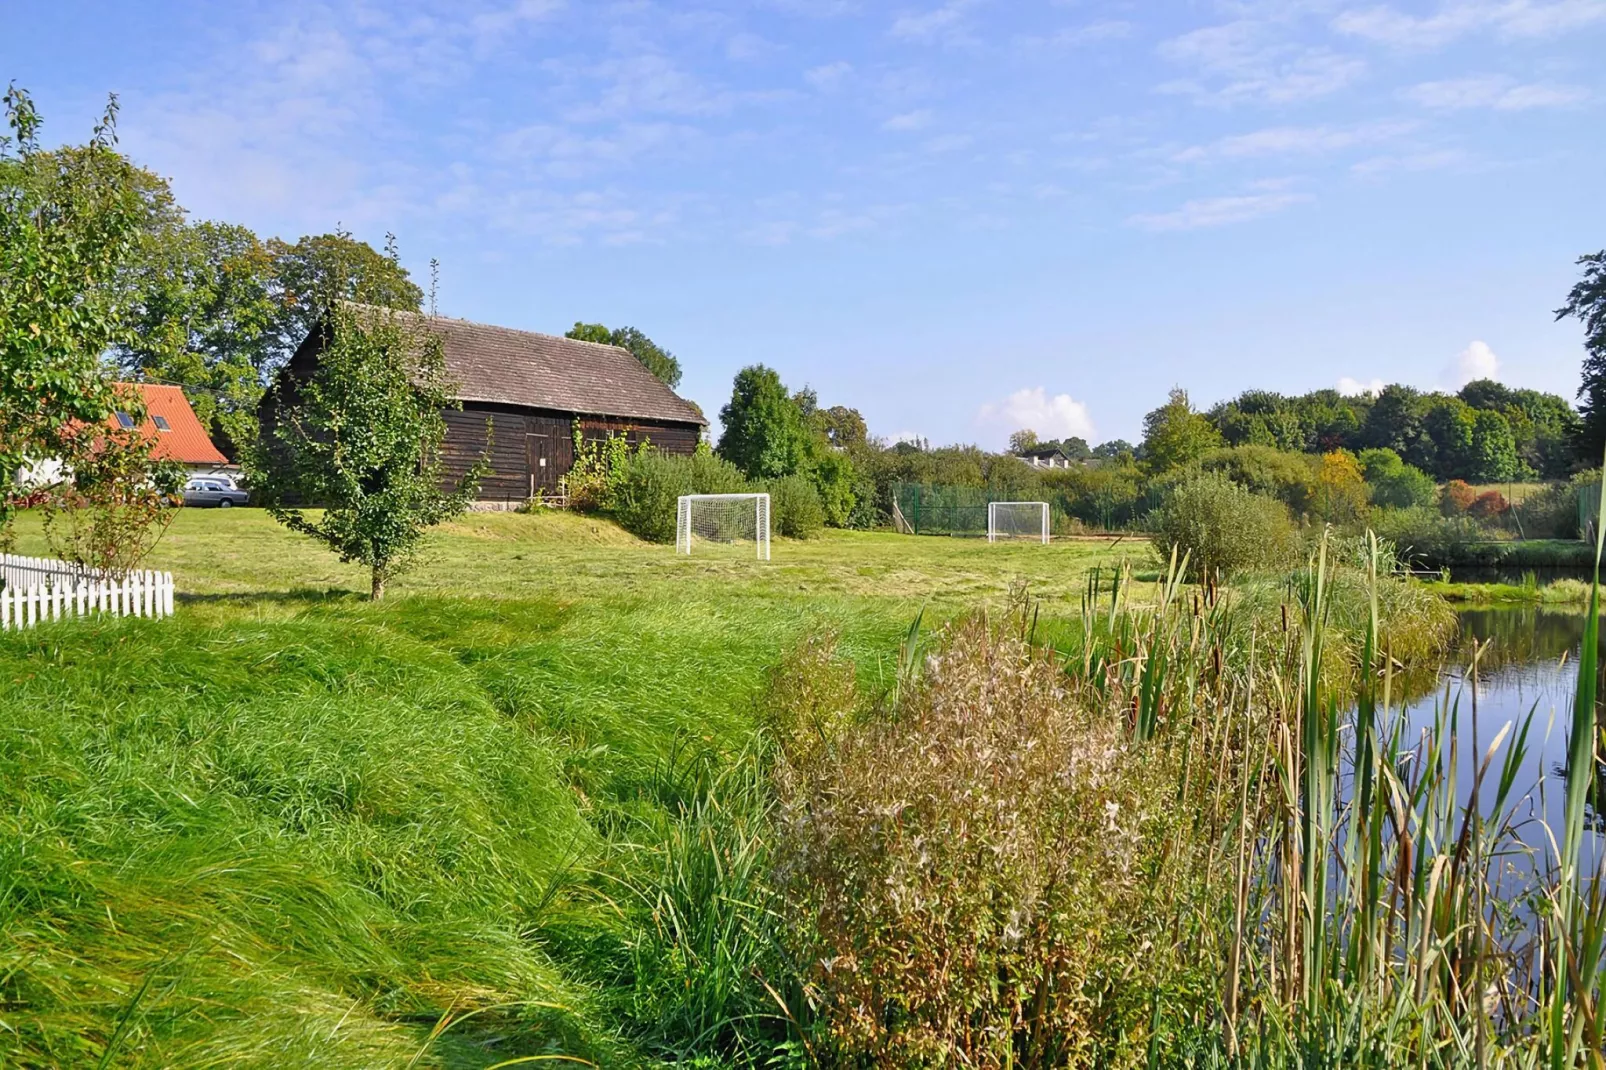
<point>1529,667</point>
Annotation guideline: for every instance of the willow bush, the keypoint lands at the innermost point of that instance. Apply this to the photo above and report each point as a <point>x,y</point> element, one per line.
<point>1221,528</point>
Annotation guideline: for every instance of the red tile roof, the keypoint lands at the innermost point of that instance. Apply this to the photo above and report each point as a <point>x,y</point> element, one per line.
<point>186,441</point>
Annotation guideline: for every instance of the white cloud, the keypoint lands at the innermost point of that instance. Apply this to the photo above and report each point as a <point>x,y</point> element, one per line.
<point>914,437</point>
<point>1294,140</point>
<point>1092,33</point>
<point>1476,361</point>
<point>829,75</point>
<point>1456,18</point>
<point>1252,59</point>
<point>1219,211</point>
<point>1059,416</point>
<point>946,21</point>
<point>948,143</point>
<point>909,120</point>
<point>1432,160</point>
<point>1498,92</point>
<point>1353,387</point>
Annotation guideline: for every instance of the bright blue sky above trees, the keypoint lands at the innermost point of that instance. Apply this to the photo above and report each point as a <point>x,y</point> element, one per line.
<point>960,217</point>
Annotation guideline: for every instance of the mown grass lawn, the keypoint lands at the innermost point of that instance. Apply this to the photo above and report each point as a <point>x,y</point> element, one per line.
<point>292,827</point>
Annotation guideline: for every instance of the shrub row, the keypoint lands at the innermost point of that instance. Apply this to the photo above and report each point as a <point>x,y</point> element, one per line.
<point>650,484</point>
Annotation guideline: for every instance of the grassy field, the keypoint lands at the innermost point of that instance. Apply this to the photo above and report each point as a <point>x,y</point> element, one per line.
<point>291,826</point>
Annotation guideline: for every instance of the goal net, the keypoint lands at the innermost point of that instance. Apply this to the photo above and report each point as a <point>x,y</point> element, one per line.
<point>1017,520</point>
<point>732,521</point>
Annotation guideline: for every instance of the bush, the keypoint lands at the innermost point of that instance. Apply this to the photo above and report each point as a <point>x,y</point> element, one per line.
<point>968,883</point>
<point>1222,528</point>
<point>834,480</point>
<point>1456,498</point>
<point>1422,535</point>
<point>1393,484</point>
<point>1490,505</point>
<point>1288,477</point>
<point>795,509</point>
<point>1551,513</point>
<point>648,495</point>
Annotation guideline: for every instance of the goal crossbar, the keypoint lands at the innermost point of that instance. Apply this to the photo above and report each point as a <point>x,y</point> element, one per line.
<point>1017,520</point>
<point>724,518</point>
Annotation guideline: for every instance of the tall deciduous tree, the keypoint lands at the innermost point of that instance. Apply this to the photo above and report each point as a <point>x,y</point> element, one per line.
<point>765,434</point>
<point>68,222</point>
<point>1174,434</point>
<point>362,437</point>
<point>318,270</point>
<point>652,356</point>
<point>204,314</point>
<point>1587,303</point>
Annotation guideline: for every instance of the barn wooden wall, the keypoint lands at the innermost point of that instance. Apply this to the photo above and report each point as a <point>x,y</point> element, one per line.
<point>506,430</point>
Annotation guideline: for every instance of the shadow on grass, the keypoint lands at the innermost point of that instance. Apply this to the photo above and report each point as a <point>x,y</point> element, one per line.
<point>297,595</point>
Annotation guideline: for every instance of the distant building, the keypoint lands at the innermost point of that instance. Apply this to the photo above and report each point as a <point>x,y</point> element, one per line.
<point>169,423</point>
<point>1053,457</point>
<point>523,395</point>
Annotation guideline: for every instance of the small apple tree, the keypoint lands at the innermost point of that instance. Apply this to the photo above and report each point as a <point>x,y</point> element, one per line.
<point>361,437</point>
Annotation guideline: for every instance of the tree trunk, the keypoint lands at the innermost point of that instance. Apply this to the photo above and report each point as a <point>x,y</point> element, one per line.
<point>378,590</point>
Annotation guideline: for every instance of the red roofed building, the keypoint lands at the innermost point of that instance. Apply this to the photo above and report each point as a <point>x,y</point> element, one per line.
<point>169,422</point>
<point>176,430</point>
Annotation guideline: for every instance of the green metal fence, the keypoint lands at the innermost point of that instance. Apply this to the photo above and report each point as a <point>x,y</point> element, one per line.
<point>925,509</point>
<point>1588,510</point>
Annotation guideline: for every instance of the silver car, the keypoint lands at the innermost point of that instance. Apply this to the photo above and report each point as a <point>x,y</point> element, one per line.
<point>213,492</point>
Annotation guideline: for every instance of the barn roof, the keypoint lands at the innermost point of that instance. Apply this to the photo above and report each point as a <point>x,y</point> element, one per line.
<point>510,367</point>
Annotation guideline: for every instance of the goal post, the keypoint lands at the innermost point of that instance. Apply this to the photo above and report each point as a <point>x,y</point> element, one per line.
<point>728,519</point>
<point>1017,520</point>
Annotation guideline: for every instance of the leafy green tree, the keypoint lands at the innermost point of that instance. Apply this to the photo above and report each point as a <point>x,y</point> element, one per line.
<point>1397,420</point>
<point>1586,302</point>
<point>203,313</point>
<point>764,434</point>
<point>1023,441</point>
<point>652,356</point>
<point>1174,434</point>
<point>1287,476</point>
<point>1222,528</point>
<point>1394,484</point>
<point>318,270</point>
<point>1450,426</point>
<point>68,224</point>
<point>1113,449</point>
<point>1493,456</point>
<point>843,427</point>
<point>362,437</point>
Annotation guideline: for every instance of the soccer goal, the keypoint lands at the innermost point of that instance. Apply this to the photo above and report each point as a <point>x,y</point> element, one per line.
<point>1017,520</point>
<point>724,519</point>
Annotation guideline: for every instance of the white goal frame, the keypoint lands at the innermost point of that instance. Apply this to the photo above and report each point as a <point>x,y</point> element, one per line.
<point>761,520</point>
<point>992,519</point>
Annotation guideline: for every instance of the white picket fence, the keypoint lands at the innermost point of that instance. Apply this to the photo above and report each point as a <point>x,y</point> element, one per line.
<point>40,589</point>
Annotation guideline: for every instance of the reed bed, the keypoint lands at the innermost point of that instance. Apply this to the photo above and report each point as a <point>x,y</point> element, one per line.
<point>1302,879</point>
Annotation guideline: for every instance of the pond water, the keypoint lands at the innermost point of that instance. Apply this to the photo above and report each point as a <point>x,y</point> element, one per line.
<point>1530,667</point>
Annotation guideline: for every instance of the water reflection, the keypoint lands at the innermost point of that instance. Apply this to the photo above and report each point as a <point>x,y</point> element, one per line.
<point>1529,666</point>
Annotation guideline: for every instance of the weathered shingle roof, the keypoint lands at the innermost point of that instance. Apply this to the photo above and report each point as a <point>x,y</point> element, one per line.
<point>502,365</point>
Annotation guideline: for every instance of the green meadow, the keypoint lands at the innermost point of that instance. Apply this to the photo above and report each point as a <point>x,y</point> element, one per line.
<point>293,827</point>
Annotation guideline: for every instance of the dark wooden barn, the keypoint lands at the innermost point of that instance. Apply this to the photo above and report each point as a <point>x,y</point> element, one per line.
<point>522,394</point>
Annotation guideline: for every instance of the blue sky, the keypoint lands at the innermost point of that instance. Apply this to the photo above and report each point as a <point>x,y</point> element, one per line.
<point>960,217</point>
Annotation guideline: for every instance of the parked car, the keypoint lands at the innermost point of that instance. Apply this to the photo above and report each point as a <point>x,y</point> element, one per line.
<point>213,492</point>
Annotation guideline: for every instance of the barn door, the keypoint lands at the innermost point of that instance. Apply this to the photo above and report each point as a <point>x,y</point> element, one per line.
<point>538,455</point>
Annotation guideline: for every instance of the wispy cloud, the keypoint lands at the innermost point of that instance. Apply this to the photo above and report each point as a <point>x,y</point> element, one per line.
<point>828,76</point>
<point>1098,32</point>
<point>1219,211</point>
<point>1497,92</point>
<point>946,22</point>
<point>1254,60</point>
<point>1351,387</point>
<point>1457,18</point>
<point>918,119</point>
<point>1294,141</point>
